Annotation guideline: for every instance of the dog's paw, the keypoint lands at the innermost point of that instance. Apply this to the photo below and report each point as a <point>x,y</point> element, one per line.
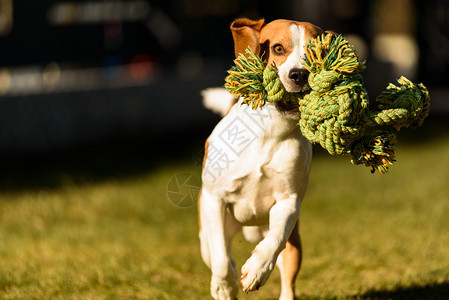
<point>256,271</point>
<point>223,289</point>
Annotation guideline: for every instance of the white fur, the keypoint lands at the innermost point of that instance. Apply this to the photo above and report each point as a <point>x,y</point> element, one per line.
<point>254,179</point>
<point>219,100</point>
<point>294,60</point>
<point>256,174</point>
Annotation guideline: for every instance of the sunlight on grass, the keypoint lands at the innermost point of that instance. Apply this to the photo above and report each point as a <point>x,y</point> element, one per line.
<point>364,235</point>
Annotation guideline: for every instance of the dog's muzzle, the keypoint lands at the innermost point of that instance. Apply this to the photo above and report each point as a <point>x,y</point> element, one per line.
<point>300,78</point>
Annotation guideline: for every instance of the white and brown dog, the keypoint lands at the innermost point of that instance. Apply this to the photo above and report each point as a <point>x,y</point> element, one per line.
<point>256,168</point>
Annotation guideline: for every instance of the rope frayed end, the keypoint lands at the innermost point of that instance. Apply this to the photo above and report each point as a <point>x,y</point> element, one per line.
<point>375,151</point>
<point>245,78</point>
<point>331,53</point>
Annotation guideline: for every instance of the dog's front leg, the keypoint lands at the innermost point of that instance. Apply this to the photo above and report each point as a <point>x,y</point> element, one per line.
<point>257,269</point>
<point>224,278</point>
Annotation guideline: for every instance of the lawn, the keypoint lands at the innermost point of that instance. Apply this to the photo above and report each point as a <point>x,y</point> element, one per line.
<point>117,234</point>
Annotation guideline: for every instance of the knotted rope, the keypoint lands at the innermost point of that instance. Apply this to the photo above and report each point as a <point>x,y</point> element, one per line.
<point>255,83</point>
<point>335,112</point>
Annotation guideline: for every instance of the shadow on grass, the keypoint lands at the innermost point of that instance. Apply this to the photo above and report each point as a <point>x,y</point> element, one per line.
<point>431,291</point>
<point>427,292</point>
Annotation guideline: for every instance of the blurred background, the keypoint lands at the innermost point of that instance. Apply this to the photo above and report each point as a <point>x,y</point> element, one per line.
<point>126,76</point>
<point>102,130</point>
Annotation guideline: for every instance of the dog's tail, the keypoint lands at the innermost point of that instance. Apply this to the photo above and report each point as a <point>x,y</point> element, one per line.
<point>219,100</point>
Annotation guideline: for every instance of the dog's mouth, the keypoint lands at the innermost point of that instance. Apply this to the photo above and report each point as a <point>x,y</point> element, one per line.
<point>289,108</point>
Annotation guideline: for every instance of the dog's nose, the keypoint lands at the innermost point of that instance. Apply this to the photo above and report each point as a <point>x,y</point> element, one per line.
<point>298,76</point>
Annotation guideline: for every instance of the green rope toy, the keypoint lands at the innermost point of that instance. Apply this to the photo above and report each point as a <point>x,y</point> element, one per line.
<point>335,113</point>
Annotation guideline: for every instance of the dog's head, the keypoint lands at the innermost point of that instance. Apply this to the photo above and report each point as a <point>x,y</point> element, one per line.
<point>281,43</point>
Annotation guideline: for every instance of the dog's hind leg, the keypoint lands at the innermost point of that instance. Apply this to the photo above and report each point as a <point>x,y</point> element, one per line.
<point>289,263</point>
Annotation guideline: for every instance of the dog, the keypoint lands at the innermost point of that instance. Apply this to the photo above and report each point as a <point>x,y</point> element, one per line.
<point>256,168</point>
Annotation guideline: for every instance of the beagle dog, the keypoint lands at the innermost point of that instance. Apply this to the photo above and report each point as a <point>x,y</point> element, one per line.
<point>256,168</point>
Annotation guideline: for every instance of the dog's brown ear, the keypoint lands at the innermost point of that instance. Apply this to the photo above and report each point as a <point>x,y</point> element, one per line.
<point>246,33</point>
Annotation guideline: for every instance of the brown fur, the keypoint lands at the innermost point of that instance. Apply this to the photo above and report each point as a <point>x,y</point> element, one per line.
<point>260,37</point>
<point>246,33</point>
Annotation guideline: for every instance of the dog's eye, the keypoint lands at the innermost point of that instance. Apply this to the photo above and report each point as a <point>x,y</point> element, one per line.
<point>278,49</point>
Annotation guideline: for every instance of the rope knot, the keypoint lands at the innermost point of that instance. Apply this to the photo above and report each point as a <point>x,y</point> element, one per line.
<point>272,85</point>
<point>323,80</point>
<point>410,102</point>
<point>335,113</point>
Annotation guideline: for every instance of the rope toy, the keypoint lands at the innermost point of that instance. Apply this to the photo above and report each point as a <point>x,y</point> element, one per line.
<point>335,112</point>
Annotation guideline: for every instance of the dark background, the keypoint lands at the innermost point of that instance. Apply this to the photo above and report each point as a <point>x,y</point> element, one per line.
<point>122,79</point>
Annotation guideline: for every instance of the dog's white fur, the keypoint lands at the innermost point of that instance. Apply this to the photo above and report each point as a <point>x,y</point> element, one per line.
<point>255,176</point>
<point>218,100</point>
<point>294,60</point>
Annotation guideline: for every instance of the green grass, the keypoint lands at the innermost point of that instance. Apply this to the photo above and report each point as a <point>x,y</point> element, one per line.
<point>364,236</point>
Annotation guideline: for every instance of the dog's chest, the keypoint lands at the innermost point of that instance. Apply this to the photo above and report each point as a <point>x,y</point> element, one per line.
<point>254,160</point>
<point>251,196</point>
